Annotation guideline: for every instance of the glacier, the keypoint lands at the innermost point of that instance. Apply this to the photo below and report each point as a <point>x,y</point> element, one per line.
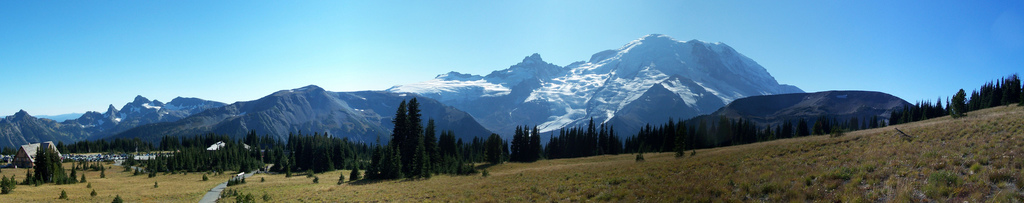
<point>705,76</point>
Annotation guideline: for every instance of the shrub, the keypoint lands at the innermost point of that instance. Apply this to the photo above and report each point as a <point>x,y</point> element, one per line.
<point>316,179</point>
<point>63,195</point>
<point>844,173</point>
<point>486,173</point>
<point>205,178</point>
<point>156,184</point>
<point>942,184</point>
<point>93,193</point>
<point>89,185</point>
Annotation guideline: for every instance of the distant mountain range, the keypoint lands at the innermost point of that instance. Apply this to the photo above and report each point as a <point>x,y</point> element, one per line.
<point>22,128</point>
<point>645,81</point>
<point>648,80</point>
<point>360,116</point>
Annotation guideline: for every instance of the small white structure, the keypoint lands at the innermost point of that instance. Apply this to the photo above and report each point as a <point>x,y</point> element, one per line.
<point>215,146</point>
<point>220,144</point>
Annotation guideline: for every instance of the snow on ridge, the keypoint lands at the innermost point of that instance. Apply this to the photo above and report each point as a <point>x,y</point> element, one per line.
<point>441,86</point>
<point>148,106</point>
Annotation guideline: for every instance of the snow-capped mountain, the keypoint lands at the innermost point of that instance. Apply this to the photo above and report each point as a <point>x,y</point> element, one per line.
<point>635,83</point>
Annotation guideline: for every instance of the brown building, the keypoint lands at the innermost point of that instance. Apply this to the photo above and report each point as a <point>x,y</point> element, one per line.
<point>26,156</point>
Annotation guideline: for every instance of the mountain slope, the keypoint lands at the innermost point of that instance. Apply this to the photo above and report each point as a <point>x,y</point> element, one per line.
<point>697,77</point>
<point>841,105</point>
<point>359,116</point>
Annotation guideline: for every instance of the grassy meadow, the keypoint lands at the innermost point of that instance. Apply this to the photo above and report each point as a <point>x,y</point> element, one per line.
<point>978,158</point>
<point>172,187</point>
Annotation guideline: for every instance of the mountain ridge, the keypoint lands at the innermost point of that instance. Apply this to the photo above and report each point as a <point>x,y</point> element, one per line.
<point>363,116</point>
<point>553,97</point>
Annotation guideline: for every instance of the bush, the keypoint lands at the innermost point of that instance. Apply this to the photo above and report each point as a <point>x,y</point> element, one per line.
<point>262,179</point>
<point>63,195</point>
<point>942,184</point>
<point>117,199</point>
<point>316,179</point>
<point>89,185</point>
<point>205,178</point>
<point>844,173</point>
<point>93,193</point>
<point>156,184</point>
<point>486,173</point>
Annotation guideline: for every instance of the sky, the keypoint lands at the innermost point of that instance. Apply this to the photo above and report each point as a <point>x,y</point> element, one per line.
<point>61,57</point>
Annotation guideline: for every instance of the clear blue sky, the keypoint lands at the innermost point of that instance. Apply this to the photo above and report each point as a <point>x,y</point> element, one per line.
<point>75,56</point>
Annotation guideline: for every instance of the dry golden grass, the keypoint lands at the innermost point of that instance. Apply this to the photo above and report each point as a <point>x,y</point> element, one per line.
<point>172,187</point>
<point>975,159</point>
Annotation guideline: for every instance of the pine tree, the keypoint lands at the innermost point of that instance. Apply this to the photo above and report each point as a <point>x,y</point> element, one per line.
<point>680,145</point>
<point>535,149</point>
<point>493,149</point>
<point>431,146</point>
<point>420,160</point>
<point>958,104</point>
<point>63,195</point>
<point>355,175</point>
<point>93,193</point>
<point>82,180</point>
<point>117,199</point>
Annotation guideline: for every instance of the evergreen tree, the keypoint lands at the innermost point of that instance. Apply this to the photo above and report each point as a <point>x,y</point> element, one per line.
<point>355,175</point>
<point>431,146</point>
<point>493,149</point>
<point>959,107</point>
<point>1011,90</point>
<point>801,128</point>
<point>117,199</point>
<point>63,195</point>
<point>535,149</point>
<point>413,136</point>
<point>93,193</point>
<point>680,145</point>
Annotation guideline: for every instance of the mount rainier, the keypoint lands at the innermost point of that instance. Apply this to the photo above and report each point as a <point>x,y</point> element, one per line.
<point>648,80</point>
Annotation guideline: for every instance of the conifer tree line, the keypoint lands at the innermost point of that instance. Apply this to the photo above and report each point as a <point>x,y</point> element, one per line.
<point>1004,91</point>
<point>703,132</point>
<point>116,145</point>
<point>526,146</point>
<point>194,156</point>
<point>416,152</point>
<point>920,111</point>
<point>579,142</point>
